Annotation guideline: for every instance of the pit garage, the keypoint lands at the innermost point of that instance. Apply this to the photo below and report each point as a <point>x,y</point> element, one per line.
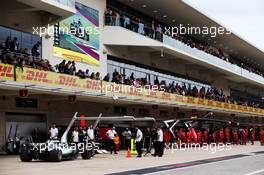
<point>19,127</point>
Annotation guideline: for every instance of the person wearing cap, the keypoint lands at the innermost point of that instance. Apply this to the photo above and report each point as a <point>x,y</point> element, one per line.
<point>139,140</point>
<point>111,136</point>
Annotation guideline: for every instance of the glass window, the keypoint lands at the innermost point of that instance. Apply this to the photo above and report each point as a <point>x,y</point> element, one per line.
<point>26,40</point>
<point>17,34</point>
<point>4,34</point>
<point>139,72</point>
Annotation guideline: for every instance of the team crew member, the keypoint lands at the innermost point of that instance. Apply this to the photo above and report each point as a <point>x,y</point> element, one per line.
<point>82,134</point>
<point>189,136</point>
<point>221,135</point>
<point>159,148</point>
<point>214,136</point>
<point>235,135</point>
<point>167,138</point>
<point>75,135</point>
<point>116,141</point>
<point>35,135</point>
<point>139,140</point>
<point>227,133</point>
<point>111,135</point>
<point>199,136</point>
<point>244,137</point>
<point>183,136</point>
<point>206,135</point>
<point>148,140</point>
<point>53,132</point>
<point>90,133</point>
<point>127,134</point>
<point>252,136</point>
<point>261,137</point>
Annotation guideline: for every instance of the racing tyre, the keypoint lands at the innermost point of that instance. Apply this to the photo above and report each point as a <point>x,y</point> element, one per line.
<point>87,154</point>
<point>26,155</point>
<point>55,156</point>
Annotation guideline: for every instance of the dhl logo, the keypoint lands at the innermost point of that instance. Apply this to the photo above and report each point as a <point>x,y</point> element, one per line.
<point>210,103</point>
<point>68,81</point>
<point>226,105</point>
<point>6,71</point>
<point>38,76</point>
<point>152,94</point>
<point>190,100</point>
<point>201,101</point>
<point>179,98</point>
<point>218,104</point>
<point>166,96</point>
<point>93,85</point>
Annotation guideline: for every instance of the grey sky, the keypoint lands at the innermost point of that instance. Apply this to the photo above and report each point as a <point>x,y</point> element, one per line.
<point>243,17</point>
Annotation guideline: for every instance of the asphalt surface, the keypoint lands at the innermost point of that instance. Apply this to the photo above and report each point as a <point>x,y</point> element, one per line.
<point>248,165</point>
<point>240,164</point>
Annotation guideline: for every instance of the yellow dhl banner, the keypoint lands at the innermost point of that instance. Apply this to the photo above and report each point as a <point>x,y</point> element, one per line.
<point>130,91</point>
<point>48,79</point>
<point>57,80</point>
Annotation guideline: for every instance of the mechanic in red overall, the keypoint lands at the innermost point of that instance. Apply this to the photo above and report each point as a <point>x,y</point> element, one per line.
<point>183,135</point>
<point>206,135</point>
<point>199,136</point>
<point>244,137</point>
<point>167,137</point>
<point>227,133</point>
<point>252,136</point>
<point>189,137</point>
<point>222,136</point>
<point>214,136</point>
<point>261,137</point>
<point>235,135</point>
<point>194,135</point>
<point>179,140</point>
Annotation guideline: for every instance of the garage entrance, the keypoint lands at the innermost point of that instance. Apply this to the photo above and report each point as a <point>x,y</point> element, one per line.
<point>22,125</point>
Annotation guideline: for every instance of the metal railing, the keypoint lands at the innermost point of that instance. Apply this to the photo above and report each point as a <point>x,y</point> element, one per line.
<point>138,27</point>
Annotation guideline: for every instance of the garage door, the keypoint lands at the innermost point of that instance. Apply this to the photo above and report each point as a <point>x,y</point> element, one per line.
<point>25,123</point>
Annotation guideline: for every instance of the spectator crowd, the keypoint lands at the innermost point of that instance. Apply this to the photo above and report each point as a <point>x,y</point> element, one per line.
<point>211,93</point>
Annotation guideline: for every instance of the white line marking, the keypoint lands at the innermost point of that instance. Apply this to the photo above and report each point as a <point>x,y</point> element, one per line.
<point>255,172</point>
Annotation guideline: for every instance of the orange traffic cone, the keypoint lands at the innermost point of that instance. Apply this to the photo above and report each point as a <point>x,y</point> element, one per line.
<point>128,153</point>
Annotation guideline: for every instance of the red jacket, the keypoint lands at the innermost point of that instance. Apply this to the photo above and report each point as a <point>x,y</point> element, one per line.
<point>261,135</point>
